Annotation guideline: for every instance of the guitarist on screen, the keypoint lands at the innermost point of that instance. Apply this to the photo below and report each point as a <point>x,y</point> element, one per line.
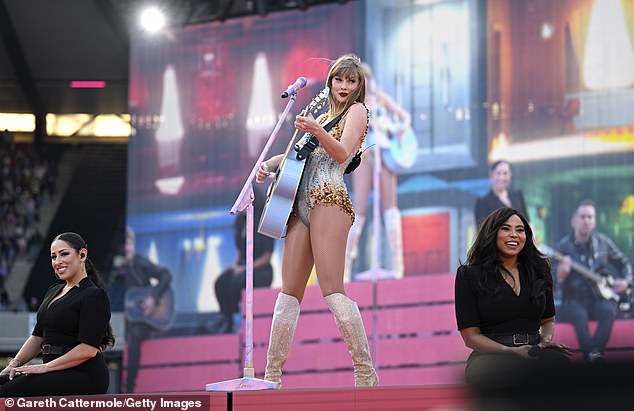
<point>141,272</point>
<point>581,301</point>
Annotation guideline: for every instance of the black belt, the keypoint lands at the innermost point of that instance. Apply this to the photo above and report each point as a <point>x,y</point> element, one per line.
<point>54,350</point>
<point>513,340</point>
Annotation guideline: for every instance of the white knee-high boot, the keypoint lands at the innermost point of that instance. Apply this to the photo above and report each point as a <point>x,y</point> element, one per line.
<point>285,316</point>
<point>348,319</point>
<point>352,246</point>
<point>394,232</point>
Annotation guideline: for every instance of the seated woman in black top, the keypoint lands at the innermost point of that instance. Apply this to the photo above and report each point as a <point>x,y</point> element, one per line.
<point>504,297</point>
<point>73,326</point>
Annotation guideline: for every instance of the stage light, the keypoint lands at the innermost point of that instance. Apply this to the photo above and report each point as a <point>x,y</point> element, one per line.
<point>170,185</point>
<point>87,84</point>
<point>547,31</point>
<point>261,112</point>
<point>608,61</point>
<point>169,136</point>
<point>152,19</point>
<point>206,301</point>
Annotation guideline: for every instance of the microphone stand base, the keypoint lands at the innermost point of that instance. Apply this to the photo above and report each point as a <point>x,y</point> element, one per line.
<point>243,384</point>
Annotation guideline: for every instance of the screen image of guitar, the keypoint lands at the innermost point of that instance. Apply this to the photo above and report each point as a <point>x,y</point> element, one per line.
<point>283,189</point>
<point>398,152</point>
<point>603,283</point>
<point>162,315</point>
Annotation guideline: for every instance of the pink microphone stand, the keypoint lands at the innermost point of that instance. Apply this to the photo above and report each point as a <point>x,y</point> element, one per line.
<point>245,202</point>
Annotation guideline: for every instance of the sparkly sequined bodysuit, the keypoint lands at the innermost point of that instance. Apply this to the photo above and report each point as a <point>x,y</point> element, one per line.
<point>322,182</point>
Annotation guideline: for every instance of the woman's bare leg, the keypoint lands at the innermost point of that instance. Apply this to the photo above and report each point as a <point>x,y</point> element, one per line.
<point>388,189</point>
<point>329,227</point>
<point>361,185</point>
<point>392,221</point>
<point>328,234</point>
<point>297,259</point>
<point>297,263</point>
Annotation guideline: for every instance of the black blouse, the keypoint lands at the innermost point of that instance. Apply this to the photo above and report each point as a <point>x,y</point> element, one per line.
<point>491,202</point>
<point>501,312</point>
<point>80,316</point>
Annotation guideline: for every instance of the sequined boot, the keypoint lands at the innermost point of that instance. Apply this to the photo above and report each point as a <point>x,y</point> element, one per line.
<point>394,231</point>
<point>285,316</point>
<point>352,246</point>
<point>348,319</point>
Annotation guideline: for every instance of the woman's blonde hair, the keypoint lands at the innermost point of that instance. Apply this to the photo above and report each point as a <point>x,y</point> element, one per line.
<point>348,65</point>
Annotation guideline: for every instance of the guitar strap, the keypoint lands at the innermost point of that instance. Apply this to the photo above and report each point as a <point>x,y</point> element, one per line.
<point>312,143</point>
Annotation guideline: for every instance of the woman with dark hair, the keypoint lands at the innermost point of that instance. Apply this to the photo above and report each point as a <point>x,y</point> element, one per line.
<point>317,229</point>
<point>504,298</point>
<point>500,194</point>
<point>72,329</point>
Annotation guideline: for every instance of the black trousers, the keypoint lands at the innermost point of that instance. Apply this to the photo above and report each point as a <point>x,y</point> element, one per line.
<point>136,332</point>
<point>493,370</point>
<point>580,312</point>
<point>229,288</point>
<point>88,378</point>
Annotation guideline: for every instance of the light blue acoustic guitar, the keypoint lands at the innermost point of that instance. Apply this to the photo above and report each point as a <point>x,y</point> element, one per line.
<point>160,318</point>
<point>283,189</point>
<point>399,153</point>
<point>402,152</point>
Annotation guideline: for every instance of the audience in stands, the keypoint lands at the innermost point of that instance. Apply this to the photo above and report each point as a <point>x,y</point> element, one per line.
<point>27,182</point>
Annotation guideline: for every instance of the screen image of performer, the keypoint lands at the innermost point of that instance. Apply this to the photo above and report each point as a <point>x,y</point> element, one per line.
<point>147,293</point>
<point>504,302</point>
<point>232,281</point>
<point>317,230</point>
<point>72,330</point>
<point>582,298</point>
<point>500,194</point>
<point>382,108</point>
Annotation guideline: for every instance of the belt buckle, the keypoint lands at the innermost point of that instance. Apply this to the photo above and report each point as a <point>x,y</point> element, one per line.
<point>517,342</point>
<point>46,348</point>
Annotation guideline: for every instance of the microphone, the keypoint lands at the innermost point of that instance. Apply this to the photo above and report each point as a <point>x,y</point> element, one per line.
<point>294,88</point>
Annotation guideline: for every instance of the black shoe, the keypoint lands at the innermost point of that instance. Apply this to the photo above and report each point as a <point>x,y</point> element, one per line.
<point>226,327</point>
<point>595,357</point>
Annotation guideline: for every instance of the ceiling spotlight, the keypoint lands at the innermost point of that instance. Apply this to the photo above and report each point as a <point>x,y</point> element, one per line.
<point>152,19</point>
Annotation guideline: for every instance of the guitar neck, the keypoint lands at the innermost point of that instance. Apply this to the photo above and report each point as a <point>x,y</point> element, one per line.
<point>293,139</point>
<point>581,269</point>
<point>291,143</point>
